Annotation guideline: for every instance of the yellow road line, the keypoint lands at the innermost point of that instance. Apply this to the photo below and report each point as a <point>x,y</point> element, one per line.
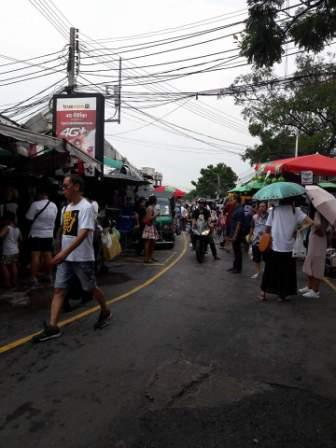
<point>134,260</point>
<point>24,340</point>
<point>329,283</point>
<point>170,256</point>
<point>141,263</point>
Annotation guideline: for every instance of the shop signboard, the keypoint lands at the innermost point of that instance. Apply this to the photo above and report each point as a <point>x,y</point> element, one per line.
<point>79,119</point>
<point>307,178</point>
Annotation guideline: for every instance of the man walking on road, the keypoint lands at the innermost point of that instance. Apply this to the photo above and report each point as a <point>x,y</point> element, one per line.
<point>76,257</point>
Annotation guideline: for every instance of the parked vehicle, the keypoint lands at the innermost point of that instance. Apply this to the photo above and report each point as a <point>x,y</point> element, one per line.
<point>201,234</point>
<point>164,222</point>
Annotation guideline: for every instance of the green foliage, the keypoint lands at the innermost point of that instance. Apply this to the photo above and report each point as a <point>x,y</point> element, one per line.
<point>190,195</point>
<point>214,180</point>
<point>306,104</point>
<point>310,24</point>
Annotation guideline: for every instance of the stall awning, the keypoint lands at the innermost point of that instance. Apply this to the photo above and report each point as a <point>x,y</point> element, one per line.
<point>48,141</point>
<point>318,164</point>
<point>124,173</point>
<point>112,163</point>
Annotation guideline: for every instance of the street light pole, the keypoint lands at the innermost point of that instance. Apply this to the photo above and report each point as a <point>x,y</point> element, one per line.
<point>297,143</point>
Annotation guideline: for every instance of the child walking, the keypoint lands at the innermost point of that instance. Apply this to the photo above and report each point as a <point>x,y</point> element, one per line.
<point>10,236</point>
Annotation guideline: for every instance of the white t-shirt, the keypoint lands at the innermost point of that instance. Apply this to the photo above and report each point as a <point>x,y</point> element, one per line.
<point>284,222</point>
<point>95,207</point>
<point>43,226</point>
<point>10,244</point>
<point>76,217</point>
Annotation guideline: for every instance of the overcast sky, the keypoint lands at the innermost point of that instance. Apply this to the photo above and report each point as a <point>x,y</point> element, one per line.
<point>25,33</point>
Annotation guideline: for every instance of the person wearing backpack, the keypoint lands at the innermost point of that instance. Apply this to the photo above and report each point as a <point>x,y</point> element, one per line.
<point>237,229</point>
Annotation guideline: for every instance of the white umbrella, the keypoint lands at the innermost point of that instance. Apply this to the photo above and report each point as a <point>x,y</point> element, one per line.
<point>323,201</point>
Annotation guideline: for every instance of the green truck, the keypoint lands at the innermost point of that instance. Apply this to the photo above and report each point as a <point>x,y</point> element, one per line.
<point>164,222</point>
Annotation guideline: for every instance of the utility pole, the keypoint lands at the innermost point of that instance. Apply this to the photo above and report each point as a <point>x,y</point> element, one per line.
<point>297,143</point>
<point>73,60</point>
<point>117,98</point>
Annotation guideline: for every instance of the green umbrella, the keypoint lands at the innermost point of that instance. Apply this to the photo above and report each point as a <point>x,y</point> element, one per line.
<point>255,185</point>
<point>327,185</point>
<point>240,189</point>
<point>279,190</point>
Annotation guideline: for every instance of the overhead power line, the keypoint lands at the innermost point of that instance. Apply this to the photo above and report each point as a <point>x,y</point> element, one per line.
<point>168,41</point>
<point>23,61</point>
<point>50,16</point>
<point>175,29</point>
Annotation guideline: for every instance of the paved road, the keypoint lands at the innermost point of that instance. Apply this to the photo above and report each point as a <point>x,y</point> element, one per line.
<point>192,360</point>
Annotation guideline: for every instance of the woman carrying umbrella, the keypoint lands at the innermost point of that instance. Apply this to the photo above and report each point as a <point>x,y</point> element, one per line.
<point>323,205</point>
<point>314,264</point>
<point>279,276</point>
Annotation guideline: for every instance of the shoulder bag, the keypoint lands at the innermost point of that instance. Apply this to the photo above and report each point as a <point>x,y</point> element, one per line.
<point>37,215</point>
<point>265,242</point>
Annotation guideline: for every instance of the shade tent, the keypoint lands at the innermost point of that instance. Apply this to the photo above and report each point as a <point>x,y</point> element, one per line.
<point>318,164</point>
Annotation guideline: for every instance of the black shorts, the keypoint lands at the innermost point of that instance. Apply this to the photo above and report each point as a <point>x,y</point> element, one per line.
<point>257,256</point>
<point>41,244</point>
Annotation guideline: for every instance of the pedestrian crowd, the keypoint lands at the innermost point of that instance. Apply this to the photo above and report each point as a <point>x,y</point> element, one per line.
<point>74,248</point>
<point>274,234</point>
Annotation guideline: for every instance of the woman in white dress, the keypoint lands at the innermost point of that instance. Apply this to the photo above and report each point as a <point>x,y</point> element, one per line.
<point>314,264</point>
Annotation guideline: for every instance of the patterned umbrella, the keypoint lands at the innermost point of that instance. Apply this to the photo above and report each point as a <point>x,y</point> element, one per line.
<point>169,189</point>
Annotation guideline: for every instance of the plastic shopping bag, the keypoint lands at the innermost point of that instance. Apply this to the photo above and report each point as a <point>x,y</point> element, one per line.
<point>107,245</point>
<point>299,250</point>
<point>116,246</point>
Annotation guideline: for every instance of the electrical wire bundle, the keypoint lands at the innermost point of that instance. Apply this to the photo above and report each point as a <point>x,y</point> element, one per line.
<point>150,62</point>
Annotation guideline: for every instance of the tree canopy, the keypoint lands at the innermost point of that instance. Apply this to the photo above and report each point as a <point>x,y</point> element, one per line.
<point>310,24</point>
<point>214,180</point>
<point>305,103</point>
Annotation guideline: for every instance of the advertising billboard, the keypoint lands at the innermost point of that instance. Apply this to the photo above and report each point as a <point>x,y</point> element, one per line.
<point>79,119</point>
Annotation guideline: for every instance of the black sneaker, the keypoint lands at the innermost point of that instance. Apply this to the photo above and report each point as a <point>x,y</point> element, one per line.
<point>49,332</point>
<point>103,319</point>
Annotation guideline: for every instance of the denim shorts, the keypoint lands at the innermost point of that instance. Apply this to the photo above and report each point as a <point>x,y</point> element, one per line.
<point>83,270</point>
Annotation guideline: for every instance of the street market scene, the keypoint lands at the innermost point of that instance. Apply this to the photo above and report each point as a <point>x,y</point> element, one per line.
<point>168,224</point>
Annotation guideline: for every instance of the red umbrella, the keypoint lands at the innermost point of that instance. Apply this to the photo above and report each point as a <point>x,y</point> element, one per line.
<point>168,189</point>
<point>318,164</point>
